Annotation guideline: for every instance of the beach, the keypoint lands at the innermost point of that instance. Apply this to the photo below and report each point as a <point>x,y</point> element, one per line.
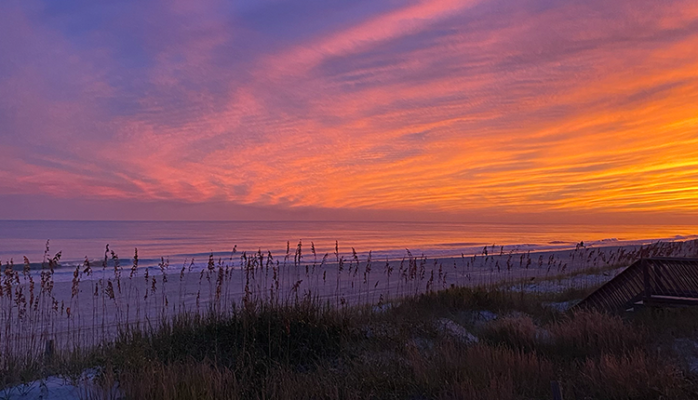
<point>116,295</point>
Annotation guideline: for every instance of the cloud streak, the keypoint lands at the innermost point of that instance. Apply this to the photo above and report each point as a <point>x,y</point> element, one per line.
<point>455,107</point>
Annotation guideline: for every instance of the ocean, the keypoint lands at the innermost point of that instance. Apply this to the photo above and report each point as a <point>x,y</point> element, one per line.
<point>184,241</point>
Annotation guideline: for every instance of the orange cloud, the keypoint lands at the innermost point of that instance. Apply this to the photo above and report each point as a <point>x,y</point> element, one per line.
<point>436,106</point>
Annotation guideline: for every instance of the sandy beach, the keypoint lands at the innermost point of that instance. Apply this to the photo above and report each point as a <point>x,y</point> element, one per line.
<point>101,301</point>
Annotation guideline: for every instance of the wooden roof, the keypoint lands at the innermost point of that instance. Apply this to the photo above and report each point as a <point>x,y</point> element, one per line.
<point>657,280</point>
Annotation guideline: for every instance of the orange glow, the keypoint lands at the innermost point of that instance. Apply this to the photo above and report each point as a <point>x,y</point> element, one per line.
<point>409,109</point>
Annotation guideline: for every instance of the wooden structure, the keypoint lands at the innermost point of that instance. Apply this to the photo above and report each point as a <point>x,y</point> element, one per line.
<point>657,281</point>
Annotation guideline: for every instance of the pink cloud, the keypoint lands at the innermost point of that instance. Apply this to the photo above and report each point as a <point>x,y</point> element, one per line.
<point>410,109</point>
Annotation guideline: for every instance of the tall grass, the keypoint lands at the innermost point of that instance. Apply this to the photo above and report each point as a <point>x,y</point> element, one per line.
<point>310,351</point>
<point>44,318</point>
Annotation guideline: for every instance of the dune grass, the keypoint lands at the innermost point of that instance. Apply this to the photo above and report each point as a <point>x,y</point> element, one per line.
<point>307,350</point>
<point>416,344</point>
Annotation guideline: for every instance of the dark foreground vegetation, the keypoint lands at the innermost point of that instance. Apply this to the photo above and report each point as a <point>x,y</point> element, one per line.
<point>454,344</point>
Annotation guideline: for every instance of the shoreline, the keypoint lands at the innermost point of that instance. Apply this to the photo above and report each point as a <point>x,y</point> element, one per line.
<point>94,306</point>
<point>199,261</point>
<point>180,241</point>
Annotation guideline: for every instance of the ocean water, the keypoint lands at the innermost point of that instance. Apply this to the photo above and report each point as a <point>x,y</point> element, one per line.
<point>181,242</point>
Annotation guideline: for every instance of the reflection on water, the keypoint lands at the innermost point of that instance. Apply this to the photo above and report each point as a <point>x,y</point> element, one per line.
<point>180,240</point>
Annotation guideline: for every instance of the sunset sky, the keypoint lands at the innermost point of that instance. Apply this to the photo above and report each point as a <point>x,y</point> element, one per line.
<point>509,110</point>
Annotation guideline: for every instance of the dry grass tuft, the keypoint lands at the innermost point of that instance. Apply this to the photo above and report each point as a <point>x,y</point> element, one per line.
<point>590,333</point>
<point>518,332</point>
<point>631,376</point>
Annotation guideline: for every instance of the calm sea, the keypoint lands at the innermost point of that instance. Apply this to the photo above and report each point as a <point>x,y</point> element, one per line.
<point>180,241</point>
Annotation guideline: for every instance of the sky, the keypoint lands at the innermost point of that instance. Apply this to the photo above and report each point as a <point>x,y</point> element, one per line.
<point>484,111</point>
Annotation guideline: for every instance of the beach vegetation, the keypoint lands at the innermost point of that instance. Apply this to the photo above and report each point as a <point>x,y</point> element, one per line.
<point>299,326</point>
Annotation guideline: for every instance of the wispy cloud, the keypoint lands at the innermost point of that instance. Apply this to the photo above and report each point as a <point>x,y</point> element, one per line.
<point>449,106</point>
